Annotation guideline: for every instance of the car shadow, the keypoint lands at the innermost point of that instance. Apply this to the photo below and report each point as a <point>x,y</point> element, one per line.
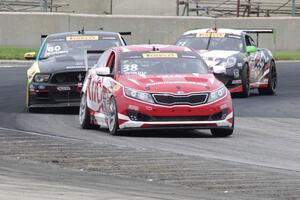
<point>170,133</point>
<point>58,111</point>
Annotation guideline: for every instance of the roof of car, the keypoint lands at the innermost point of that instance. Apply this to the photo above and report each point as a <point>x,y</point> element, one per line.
<point>98,33</point>
<point>219,30</point>
<point>152,47</point>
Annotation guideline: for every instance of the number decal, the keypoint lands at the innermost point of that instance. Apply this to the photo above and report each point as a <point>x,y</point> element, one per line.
<point>130,68</point>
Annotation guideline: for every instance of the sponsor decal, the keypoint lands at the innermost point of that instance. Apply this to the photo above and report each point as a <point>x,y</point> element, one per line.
<point>236,81</point>
<point>75,67</point>
<point>108,38</point>
<point>81,38</point>
<point>215,35</point>
<point>160,55</point>
<point>63,88</point>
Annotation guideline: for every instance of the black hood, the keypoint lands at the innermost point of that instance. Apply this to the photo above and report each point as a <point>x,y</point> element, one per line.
<point>66,62</point>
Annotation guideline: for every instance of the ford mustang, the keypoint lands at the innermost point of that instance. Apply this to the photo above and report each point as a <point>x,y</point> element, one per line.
<point>235,59</point>
<point>61,64</point>
<point>152,87</point>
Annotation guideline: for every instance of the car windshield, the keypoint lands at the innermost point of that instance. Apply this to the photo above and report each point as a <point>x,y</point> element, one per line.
<point>161,64</point>
<point>62,46</point>
<point>232,43</point>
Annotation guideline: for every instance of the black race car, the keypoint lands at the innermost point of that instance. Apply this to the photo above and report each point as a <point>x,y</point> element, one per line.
<point>235,59</point>
<point>59,69</point>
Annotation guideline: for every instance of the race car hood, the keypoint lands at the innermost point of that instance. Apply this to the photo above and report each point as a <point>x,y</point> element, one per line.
<point>64,63</point>
<point>215,57</point>
<point>217,53</point>
<point>183,84</point>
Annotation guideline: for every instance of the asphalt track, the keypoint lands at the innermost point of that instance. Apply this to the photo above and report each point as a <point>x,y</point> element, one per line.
<point>261,159</point>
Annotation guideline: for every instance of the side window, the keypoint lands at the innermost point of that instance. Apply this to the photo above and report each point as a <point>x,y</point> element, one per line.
<point>249,41</point>
<point>111,62</point>
<point>103,58</point>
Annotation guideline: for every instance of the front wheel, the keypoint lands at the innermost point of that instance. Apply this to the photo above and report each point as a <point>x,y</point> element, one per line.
<point>222,132</point>
<point>84,116</point>
<point>112,121</point>
<point>245,82</point>
<point>272,82</point>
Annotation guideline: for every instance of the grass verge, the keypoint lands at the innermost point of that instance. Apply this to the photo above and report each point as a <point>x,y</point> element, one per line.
<point>14,53</point>
<point>17,53</point>
<point>286,55</point>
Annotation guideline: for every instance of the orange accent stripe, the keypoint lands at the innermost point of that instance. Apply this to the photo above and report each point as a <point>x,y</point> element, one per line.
<point>236,89</point>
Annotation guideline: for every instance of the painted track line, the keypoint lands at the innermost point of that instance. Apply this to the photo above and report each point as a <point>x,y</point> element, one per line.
<point>40,134</point>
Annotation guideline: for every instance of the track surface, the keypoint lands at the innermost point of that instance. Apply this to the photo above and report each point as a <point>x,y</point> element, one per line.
<point>261,159</point>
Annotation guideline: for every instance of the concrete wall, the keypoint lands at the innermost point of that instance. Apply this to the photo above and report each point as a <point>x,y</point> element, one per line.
<point>120,7</point>
<point>85,6</point>
<point>144,7</point>
<point>24,29</point>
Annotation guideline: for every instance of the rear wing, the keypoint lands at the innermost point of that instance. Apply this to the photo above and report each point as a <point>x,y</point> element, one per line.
<point>125,33</point>
<point>43,37</point>
<point>86,53</point>
<point>260,31</point>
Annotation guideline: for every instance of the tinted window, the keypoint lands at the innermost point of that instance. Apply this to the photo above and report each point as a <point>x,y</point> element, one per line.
<point>231,43</point>
<point>55,47</point>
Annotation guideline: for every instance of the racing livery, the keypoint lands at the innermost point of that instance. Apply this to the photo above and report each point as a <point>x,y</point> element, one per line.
<point>154,86</point>
<point>234,58</point>
<point>61,64</point>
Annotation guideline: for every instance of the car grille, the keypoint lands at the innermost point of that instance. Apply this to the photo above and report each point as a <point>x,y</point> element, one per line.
<point>169,99</point>
<point>65,95</point>
<point>68,78</point>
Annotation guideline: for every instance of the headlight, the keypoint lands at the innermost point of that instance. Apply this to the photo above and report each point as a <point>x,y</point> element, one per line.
<point>218,94</point>
<point>231,62</point>
<point>143,96</point>
<point>41,78</point>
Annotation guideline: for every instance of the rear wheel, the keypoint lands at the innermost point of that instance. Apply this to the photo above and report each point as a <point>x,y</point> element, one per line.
<point>112,121</point>
<point>84,116</point>
<point>245,82</point>
<point>272,82</point>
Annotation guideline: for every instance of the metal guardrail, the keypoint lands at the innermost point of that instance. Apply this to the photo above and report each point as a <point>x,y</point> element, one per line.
<point>245,8</point>
<point>38,5</point>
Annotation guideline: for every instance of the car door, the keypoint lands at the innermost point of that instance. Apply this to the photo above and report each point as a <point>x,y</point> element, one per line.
<point>107,85</point>
<point>95,84</point>
<point>256,60</point>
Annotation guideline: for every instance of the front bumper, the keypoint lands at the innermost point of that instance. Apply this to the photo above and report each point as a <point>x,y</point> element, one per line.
<point>231,79</point>
<point>53,95</point>
<point>133,114</point>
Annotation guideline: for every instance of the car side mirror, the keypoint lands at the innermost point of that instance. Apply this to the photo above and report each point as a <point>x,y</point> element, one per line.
<point>251,49</point>
<point>30,55</point>
<point>103,71</point>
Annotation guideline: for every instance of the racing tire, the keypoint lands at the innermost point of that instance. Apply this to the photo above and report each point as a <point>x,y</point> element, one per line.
<point>245,82</point>
<point>29,108</point>
<point>32,110</point>
<point>112,120</point>
<point>272,82</point>
<point>222,132</point>
<point>84,116</point>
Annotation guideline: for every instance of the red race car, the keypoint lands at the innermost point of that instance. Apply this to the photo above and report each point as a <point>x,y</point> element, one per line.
<point>154,86</point>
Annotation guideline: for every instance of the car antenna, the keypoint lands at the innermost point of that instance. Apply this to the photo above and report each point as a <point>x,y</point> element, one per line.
<point>81,31</point>
<point>210,33</point>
